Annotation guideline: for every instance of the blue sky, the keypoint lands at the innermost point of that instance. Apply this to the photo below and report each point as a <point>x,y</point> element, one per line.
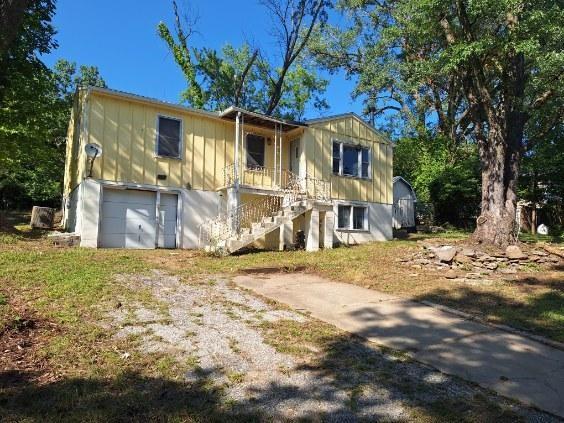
<point>120,38</point>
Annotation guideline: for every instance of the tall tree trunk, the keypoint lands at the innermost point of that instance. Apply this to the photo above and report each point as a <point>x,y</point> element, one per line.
<point>496,223</point>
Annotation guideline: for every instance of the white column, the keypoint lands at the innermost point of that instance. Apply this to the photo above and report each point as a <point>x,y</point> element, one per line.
<point>90,198</point>
<point>280,155</point>
<point>329,226</point>
<point>237,148</point>
<point>286,235</point>
<point>312,230</point>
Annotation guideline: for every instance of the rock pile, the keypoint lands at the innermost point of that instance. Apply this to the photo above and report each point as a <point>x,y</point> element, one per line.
<point>474,266</point>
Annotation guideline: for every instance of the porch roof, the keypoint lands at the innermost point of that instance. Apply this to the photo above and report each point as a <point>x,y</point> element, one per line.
<point>258,119</point>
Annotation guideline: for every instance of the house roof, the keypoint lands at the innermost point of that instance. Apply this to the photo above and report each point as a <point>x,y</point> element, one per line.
<point>347,115</point>
<point>259,119</point>
<point>251,118</point>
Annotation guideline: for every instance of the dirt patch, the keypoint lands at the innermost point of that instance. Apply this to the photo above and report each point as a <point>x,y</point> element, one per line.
<point>22,338</point>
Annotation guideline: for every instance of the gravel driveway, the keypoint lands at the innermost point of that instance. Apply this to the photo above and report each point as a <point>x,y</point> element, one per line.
<point>219,332</point>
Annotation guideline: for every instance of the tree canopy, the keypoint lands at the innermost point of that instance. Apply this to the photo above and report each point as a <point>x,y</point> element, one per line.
<point>35,110</point>
<point>473,71</point>
<point>247,77</point>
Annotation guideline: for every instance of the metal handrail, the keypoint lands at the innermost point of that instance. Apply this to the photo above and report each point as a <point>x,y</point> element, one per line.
<point>293,188</point>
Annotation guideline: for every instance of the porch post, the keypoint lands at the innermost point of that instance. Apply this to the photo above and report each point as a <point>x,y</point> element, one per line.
<point>286,235</point>
<point>233,197</point>
<point>312,230</point>
<point>275,158</point>
<point>280,155</point>
<point>329,225</point>
<point>237,142</point>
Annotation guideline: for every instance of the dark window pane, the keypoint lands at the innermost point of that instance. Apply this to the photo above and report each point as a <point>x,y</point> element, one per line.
<point>344,217</point>
<point>336,157</point>
<point>336,150</point>
<point>350,161</point>
<point>255,151</point>
<point>358,217</point>
<point>365,170</point>
<point>365,162</point>
<point>168,144</point>
<point>336,165</point>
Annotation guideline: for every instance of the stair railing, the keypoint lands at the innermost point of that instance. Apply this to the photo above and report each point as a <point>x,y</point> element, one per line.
<point>229,225</point>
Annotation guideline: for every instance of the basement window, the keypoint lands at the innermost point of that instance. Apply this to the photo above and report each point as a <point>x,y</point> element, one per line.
<point>168,137</point>
<point>351,160</point>
<point>352,217</point>
<point>255,151</point>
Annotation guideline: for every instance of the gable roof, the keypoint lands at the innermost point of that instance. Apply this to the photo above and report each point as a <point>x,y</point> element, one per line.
<point>253,118</point>
<point>311,122</point>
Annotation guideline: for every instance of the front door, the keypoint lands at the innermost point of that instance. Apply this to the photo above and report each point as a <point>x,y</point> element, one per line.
<point>295,155</point>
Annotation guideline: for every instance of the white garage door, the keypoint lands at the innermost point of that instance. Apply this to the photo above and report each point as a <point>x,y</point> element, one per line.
<point>128,219</point>
<point>167,220</point>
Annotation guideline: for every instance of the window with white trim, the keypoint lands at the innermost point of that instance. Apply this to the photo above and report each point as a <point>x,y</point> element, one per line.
<point>351,160</point>
<point>168,137</point>
<point>352,217</point>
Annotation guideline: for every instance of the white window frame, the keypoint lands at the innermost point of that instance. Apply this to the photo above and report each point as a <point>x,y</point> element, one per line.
<point>365,228</point>
<point>181,140</point>
<point>359,159</point>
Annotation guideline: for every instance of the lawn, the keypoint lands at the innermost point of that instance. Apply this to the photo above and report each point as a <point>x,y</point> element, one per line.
<point>53,300</point>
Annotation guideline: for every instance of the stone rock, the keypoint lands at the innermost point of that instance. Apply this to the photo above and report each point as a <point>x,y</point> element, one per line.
<point>473,275</point>
<point>451,274</point>
<point>421,261</point>
<point>509,271</point>
<point>539,253</point>
<point>445,253</point>
<point>513,252</point>
<point>468,252</point>
<point>462,258</point>
<point>492,265</point>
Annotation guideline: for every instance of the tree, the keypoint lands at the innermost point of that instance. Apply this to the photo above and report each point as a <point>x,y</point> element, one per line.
<point>446,180</point>
<point>473,70</point>
<point>244,76</point>
<point>35,110</point>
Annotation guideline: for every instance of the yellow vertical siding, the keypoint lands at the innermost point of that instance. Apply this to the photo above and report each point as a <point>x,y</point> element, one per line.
<point>319,152</point>
<point>127,130</point>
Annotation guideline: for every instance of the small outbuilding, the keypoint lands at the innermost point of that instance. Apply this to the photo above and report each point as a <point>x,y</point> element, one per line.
<point>403,213</point>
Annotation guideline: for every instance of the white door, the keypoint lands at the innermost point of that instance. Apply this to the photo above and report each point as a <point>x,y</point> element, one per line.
<point>167,220</point>
<point>128,219</point>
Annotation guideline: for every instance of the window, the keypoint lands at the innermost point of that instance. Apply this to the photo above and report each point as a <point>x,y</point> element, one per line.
<point>351,160</point>
<point>168,137</point>
<point>255,151</point>
<point>352,217</point>
<point>336,158</point>
<point>344,217</point>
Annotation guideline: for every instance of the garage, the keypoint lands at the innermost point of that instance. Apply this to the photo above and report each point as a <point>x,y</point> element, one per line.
<point>129,219</point>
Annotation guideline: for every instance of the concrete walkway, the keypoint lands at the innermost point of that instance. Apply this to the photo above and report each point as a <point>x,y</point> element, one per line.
<point>509,364</point>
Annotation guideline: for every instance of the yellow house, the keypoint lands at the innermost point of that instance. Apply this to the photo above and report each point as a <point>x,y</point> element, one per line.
<point>142,173</point>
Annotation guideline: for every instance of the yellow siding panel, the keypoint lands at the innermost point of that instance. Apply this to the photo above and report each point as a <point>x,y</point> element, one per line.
<point>111,117</point>
<point>138,145</point>
<point>209,155</point>
<point>389,175</point>
<point>219,154</point>
<point>96,132</point>
<point>150,163</point>
<point>124,142</point>
<point>199,146</point>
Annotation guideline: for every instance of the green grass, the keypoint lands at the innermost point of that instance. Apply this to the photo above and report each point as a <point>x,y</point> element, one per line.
<point>528,237</point>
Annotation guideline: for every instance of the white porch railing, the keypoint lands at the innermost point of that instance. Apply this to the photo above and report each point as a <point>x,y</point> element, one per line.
<point>269,178</point>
